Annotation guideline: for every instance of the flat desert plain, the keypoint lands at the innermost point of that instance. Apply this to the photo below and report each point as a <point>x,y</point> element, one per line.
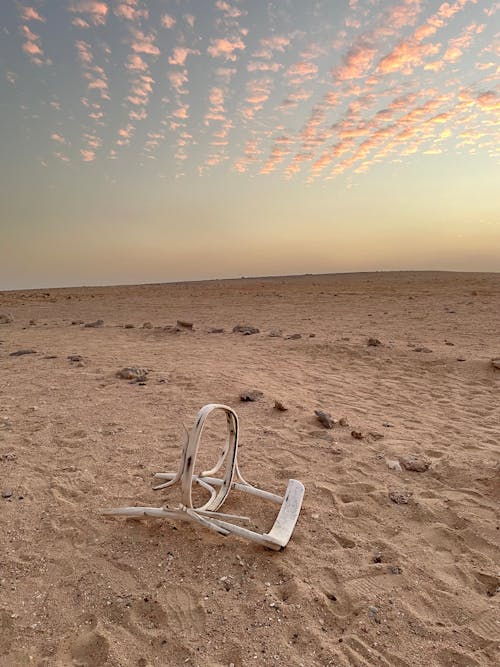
<point>394,559</point>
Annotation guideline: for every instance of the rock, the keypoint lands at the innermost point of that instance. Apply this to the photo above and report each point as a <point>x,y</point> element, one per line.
<point>132,373</point>
<point>170,328</point>
<point>294,336</point>
<point>461,359</point>
<point>312,335</point>
<point>7,493</point>
<point>395,569</point>
<point>394,464</point>
<point>375,435</point>
<point>6,319</point>
<point>343,421</point>
<point>496,363</point>
<point>448,342</point>
<point>147,325</point>
<point>19,353</point>
<point>414,463</point>
<point>75,322</point>
<point>251,396</point>
<point>374,342</point>
<point>400,497</point>
<point>280,406</point>
<point>276,333</point>
<point>75,357</point>
<point>32,323</point>
<point>94,325</point>
<point>245,329</point>
<point>324,418</point>
<point>387,425</point>
<point>129,326</point>
<point>358,435</point>
<point>377,558</point>
<point>422,349</point>
<point>9,456</point>
<point>215,330</point>
<point>183,325</point>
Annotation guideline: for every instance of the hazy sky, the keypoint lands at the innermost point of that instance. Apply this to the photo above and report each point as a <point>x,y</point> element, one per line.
<point>147,141</point>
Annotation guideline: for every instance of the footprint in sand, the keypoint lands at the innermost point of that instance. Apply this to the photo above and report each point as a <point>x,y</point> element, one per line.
<point>90,649</point>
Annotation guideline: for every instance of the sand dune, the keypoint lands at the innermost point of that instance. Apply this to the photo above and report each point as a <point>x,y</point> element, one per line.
<point>364,580</point>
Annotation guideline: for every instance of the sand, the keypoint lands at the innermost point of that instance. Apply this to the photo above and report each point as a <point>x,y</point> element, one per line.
<point>364,580</point>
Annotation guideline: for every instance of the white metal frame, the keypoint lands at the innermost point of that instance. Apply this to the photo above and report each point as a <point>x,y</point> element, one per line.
<point>219,488</point>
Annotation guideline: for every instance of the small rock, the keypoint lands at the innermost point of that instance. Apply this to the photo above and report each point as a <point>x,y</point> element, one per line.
<point>461,359</point>
<point>50,356</point>
<point>215,330</point>
<point>496,363</point>
<point>414,463</point>
<point>343,421</point>
<point>182,324</point>
<point>19,353</point>
<point>422,349</point>
<point>374,342</point>
<point>75,357</point>
<point>147,325</point>
<point>32,323</point>
<point>75,322</point>
<point>9,456</point>
<point>294,336</point>
<point>94,325</point>
<point>394,465</point>
<point>373,610</point>
<point>6,319</point>
<point>170,328</point>
<point>447,342</point>
<point>132,373</point>
<point>395,569</point>
<point>280,406</point>
<point>276,333</point>
<point>7,493</point>
<point>245,329</point>
<point>324,418</point>
<point>387,425</point>
<point>400,497</point>
<point>358,435</point>
<point>129,326</point>
<point>377,558</point>
<point>251,396</point>
<point>375,435</point>
<point>312,335</point>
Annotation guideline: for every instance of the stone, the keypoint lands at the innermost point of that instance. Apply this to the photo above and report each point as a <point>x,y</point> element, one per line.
<point>132,373</point>
<point>75,357</point>
<point>375,435</point>
<point>280,406</point>
<point>276,333</point>
<point>251,396</point>
<point>400,496</point>
<point>324,418</point>
<point>374,342</point>
<point>32,323</point>
<point>246,330</point>
<point>343,421</point>
<point>422,349</point>
<point>6,319</point>
<point>94,325</point>
<point>357,435</point>
<point>129,326</point>
<point>7,493</point>
<point>394,464</point>
<point>8,457</point>
<point>147,325</point>
<point>75,322</point>
<point>294,336</point>
<point>496,363</point>
<point>20,353</point>
<point>183,325</point>
<point>215,330</point>
<point>414,463</point>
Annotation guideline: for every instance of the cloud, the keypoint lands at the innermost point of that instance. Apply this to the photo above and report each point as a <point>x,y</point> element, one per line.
<point>84,53</point>
<point>57,137</point>
<point>179,55</point>
<point>167,21</point>
<point>96,12</point>
<point>258,91</point>
<point>32,47</point>
<point>357,63</point>
<point>144,43</point>
<point>300,72</point>
<point>178,78</point>
<point>31,14</point>
<point>128,10</point>
<point>406,56</point>
<point>136,63</point>
<point>225,48</point>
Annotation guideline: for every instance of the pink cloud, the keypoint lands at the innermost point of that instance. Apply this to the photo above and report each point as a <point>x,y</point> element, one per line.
<point>128,10</point>
<point>84,54</point>
<point>406,56</point>
<point>144,44</point>
<point>177,80</point>
<point>179,55</point>
<point>57,137</point>
<point>190,19</point>
<point>31,14</point>
<point>229,10</point>
<point>95,11</point>
<point>80,23</point>
<point>260,66</point>
<point>136,63</point>
<point>167,21</point>
<point>225,48</point>
<point>357,63</point>
<point>300,72</point>
<point>87,155</point>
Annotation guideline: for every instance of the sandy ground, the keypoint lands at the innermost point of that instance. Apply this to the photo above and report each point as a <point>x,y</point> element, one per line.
<point>364,580</point>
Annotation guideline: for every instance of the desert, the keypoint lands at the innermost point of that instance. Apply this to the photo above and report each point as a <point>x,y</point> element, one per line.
<point>394,559</point>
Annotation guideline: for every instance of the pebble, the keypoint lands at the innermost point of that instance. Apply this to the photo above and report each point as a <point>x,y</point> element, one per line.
<point>375,435</point>
<point>246,330</point>
<point>395,569</point>
<point>461,359</point>
<point>294,336</point>
<point>75,357</point>
<point>414,463</point>
<point>94,325</point>
<point>75,322</point>
<point>215,330</point>
<point>32,323</point>
<point>20,353</point>
<point>343,421</point>
<point>7,493</point>
<point>377,558</point>
<point>6,319</point>
<point>280,406</point>
<point>422,349</point>
<point>358,435</point>
<point>394,465</point>
<point>147,325</point>
<point>400,497</point>
<point>374,342</point>
<point>276,333</point>
<point>324,418</point>
<point>129,326</point>
<point>496,363</point>
<point>182,324</point>
<point>387,425</point>
<point>251,396</point>
<point>132,373</point>
<point>9,456</point>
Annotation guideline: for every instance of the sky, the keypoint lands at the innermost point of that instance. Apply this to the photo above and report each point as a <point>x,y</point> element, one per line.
<point>164,140</point>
